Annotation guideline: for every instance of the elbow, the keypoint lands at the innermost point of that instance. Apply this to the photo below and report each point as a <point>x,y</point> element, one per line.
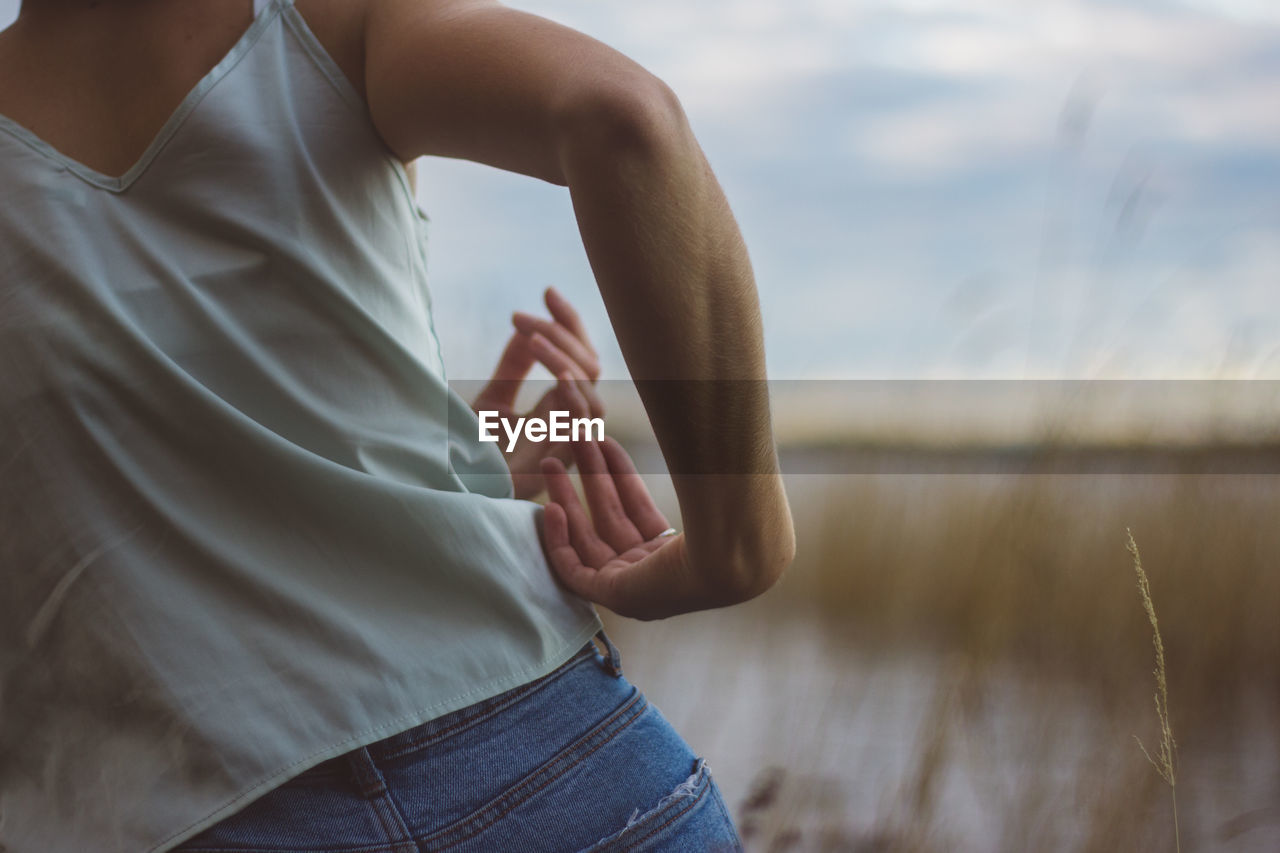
<point>762,573</point>
<point>751,572</point>
<point>744,549</point>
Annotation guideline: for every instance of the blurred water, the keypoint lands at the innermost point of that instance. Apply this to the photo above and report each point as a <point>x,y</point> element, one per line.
<point>820,746</point>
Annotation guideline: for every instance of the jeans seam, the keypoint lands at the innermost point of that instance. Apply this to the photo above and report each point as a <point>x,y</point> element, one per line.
<point>600,736</point>
<point>723,808</point>
<point>381,806</point>
<point>381,847</point>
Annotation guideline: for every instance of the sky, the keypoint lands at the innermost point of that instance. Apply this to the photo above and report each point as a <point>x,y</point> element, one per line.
<point>934,188</point>
<point>940,188</point>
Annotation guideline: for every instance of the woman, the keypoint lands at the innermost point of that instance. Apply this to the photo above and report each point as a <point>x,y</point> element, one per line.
<point>262,588</point>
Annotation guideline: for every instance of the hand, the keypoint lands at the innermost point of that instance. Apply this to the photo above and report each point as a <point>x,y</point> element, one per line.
<point>561,345</point>
<point>623,556</point>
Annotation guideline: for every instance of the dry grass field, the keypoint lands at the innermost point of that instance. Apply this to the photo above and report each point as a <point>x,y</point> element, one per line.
<point>962,661</point>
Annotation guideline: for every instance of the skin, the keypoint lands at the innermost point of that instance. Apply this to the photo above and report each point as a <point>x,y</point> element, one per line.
<point>560,344</point>
<point>476,80</point>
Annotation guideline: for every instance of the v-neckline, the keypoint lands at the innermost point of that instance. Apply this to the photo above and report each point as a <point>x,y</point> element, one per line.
<point>167,130</point>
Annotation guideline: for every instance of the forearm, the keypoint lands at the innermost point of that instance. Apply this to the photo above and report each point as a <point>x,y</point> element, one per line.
<point>677,282</point>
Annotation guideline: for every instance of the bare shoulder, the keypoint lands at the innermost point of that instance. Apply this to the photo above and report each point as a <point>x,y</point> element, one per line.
<point>478,80</point>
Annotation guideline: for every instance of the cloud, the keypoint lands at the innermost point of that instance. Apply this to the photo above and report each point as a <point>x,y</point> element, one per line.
<point>936,187</point>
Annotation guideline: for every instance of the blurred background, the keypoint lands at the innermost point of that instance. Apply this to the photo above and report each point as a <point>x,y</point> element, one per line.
<point>1076,202</point>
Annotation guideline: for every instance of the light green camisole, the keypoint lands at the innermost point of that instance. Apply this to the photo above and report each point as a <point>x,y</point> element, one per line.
<point>245,526</point>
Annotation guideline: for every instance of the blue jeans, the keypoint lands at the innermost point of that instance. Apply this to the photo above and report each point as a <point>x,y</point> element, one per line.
<point>577,760</point>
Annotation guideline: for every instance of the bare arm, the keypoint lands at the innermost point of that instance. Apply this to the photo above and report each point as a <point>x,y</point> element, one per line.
<point>476,80</point>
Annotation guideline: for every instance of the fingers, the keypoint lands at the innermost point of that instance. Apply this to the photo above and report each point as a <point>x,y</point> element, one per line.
<point>561,344</point>
<point>578,396</point>
<point>563,557</point>
<point>583,357</point>
<point>582,536</point>
<point>634,494</point>
<point>564,314</point>
<point>579,399</point>
<point>566,370</point>
<point>553,358</point>
<point>513,365</point>
<point>516,359</point>
<point>583,402</point>
<point>608,514</point>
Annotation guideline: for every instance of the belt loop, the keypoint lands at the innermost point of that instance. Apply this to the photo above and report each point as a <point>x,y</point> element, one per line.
<point>365,774</point>
<point>612,660</point>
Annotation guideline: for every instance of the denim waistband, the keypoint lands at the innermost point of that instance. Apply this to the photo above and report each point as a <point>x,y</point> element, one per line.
<point>574,760</point>
<point>432,731</point>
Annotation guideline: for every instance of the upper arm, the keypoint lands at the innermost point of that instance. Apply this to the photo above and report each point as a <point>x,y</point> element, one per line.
<point>480,81</point>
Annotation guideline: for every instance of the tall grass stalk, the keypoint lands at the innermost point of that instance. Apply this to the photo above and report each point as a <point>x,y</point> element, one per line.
<point>1165,760</point>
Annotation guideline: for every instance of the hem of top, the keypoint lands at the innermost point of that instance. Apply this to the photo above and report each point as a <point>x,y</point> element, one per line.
<point>171,126</point>
<point>489,689</point>
<point>342,84</point>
